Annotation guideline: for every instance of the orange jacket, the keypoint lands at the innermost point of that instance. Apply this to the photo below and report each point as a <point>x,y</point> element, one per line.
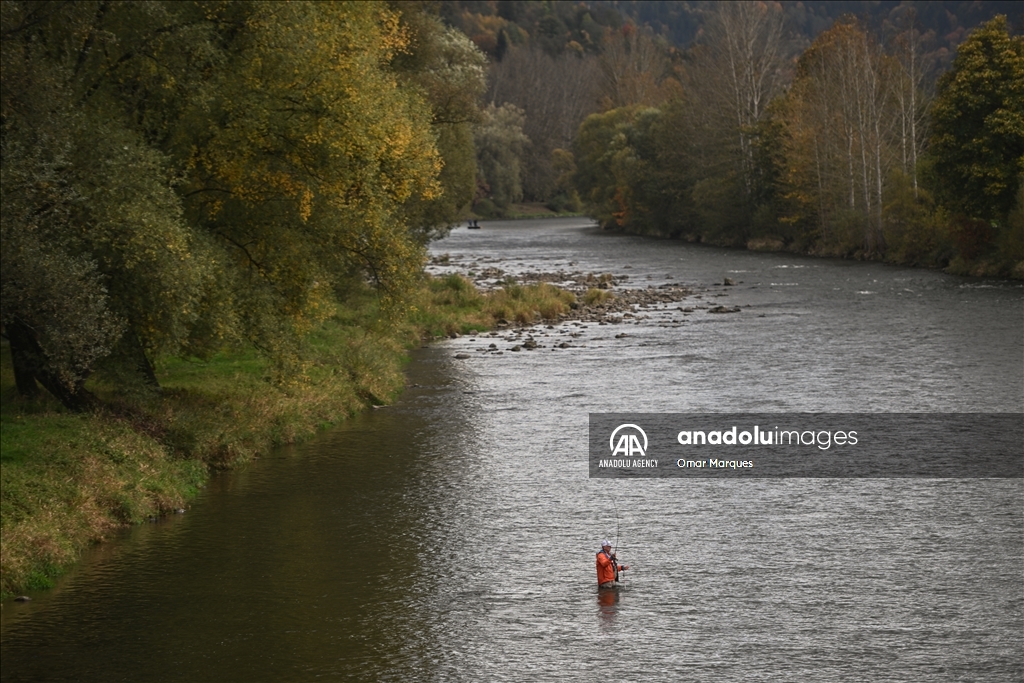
<point>605,568</point>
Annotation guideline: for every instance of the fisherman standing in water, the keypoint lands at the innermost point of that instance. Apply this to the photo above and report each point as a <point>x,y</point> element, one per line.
<point>607,568</point>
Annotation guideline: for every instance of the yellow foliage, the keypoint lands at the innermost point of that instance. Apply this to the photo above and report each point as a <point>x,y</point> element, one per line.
<point>319,148</point>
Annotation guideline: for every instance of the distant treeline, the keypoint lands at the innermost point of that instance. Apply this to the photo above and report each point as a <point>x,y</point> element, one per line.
<point>853,157</point>
<point>895,132</point>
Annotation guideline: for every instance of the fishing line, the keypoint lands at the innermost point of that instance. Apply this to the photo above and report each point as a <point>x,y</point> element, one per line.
<point>616,546</point>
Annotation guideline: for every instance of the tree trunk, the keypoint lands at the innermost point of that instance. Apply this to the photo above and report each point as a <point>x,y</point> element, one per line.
<point>24,345</point>
<point>137,353</point>
<point>23,376</point>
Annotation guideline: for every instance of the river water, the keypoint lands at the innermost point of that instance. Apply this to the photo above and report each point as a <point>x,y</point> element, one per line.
<point>451,536</point>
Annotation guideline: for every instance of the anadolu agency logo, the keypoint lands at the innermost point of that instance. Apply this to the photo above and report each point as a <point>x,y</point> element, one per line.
<point>628,444</point>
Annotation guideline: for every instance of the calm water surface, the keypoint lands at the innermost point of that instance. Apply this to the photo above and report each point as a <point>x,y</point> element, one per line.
<point>452,536</point>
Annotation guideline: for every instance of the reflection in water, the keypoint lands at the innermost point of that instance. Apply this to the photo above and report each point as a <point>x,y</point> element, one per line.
<point>607,601</point>
<point>449,537</point>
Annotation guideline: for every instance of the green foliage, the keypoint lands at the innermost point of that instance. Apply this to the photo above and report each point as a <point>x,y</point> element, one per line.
<point>207,175</point>
<point>317,149</point>
<point>635,169</point>
<point>52,299</point>
<point>485,208</point>
<point>977,141</point>
<point>87,202</point>
<point>914,232</point>
<point>724,213</point>
<point>1011,238</point>
<point>565,203</point>
<point>449,70</point>
<point>500,143</point>
<point>601,150</point>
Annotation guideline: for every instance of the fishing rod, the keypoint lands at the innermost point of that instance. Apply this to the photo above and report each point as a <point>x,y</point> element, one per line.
<point>615,548</point>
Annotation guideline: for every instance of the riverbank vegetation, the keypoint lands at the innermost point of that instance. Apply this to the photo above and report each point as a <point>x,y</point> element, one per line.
<point>69,479</point>
<point>850,158</point>
<point>214,215</point>
<point>214,221</point>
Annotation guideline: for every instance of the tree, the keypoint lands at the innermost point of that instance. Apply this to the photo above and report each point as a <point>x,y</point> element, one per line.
<point>632,67</point>
<point>911,96</point>
<point>555,94</point>
<point>977,139</point>
<point>841,146</point>
<point>53,304</point>
<point>450,72</point>
<point>225,172</point>
<point>500,144</point>
<point>743,71</point>
<point>84,195</point>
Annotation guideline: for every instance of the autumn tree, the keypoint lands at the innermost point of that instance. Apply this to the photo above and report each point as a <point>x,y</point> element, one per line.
<point>450,71</point>
<point>741,70</point>
<point>911,94</point>
<point>315,152</point>
<point>210,173</point>
<point>977,138</point>
<point>841,124</point>
<point>633,67</point>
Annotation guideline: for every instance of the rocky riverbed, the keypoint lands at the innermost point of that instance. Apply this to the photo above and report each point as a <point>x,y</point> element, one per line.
<point>664,305</point>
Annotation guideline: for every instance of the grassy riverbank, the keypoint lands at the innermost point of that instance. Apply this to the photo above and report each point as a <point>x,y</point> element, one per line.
<point>69,480</point>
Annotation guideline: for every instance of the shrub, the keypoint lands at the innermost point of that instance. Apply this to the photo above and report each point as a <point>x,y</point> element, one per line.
<point>596,296</point>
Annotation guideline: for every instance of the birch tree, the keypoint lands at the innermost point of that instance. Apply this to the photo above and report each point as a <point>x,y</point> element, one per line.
<point>744,69</point>
<point>912,98</point>
<point>842,108</point>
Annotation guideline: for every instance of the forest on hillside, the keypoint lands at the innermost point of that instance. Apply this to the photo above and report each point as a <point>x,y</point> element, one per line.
<point>872,129</point>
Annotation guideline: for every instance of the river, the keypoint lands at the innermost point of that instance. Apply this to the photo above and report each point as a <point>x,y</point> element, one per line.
<point>451,537</point>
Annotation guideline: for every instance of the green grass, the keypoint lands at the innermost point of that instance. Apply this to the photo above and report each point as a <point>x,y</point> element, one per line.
<point>449,305</point>
<point>69,480</point>
<point>452,304</point>
<point>528,304</point>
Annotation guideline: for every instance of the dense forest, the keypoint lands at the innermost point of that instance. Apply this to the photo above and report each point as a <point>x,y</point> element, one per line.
<point>183,178</point>
<point>872,129</point>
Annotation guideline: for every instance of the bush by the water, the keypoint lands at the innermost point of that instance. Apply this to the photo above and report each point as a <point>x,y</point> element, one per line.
<point>529,303</point>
